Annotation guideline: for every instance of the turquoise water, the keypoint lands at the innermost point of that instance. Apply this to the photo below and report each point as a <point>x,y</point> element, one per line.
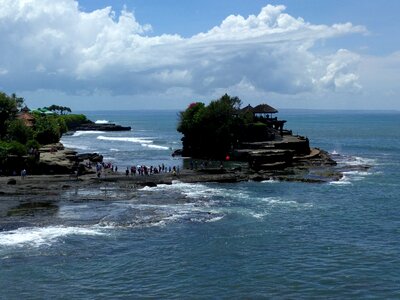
<point>247,240</point>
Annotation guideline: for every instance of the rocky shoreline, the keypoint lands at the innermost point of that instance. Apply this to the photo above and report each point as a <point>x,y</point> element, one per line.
<point>32,195</point>
<point>64,171</point>
<point>101,127</point>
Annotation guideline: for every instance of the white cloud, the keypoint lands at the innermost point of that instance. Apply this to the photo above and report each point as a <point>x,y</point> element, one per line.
<point>53,45</point>
<point>339,73</point>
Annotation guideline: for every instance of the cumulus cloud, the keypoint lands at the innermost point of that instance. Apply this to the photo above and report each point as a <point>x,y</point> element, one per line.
<point>339,74</point>
<point>54,45</point>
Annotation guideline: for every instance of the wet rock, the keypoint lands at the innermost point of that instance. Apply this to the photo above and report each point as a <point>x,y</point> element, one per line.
<point>12,181</point>
<point>102,127</point>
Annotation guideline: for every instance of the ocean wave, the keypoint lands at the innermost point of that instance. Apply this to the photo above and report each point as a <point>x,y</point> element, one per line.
<point>125,139</point>
<point>355,161</point>
<point>38,236</point>
<point>87,132</point>
<point>345,180</point>
<point>192,190</point>
<point>156,147</point>
<point>334,152</point>
<point>270,181</point>
<point>73,146</point>
<point>102,122</point>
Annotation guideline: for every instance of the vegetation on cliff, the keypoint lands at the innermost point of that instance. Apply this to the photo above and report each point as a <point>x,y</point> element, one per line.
<point>22,131</point>
<point>215,130</point>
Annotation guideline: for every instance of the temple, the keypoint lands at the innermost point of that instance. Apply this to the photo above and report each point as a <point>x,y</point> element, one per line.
<point>264,113</point>
<point>267,145</point>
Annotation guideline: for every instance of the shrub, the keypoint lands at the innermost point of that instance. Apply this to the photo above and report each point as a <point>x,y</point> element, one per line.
<point>18,131</point>
<point>47,130</point>
<point>74,120</point>
<point>12,148</point>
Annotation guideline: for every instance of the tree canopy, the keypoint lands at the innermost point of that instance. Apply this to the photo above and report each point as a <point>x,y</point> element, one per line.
<point>210,131</point>
<point>8,110</point>
<point>61,110</point>
<point>17,137</point>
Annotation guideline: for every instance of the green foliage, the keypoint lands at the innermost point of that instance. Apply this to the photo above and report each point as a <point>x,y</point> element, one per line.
<point>18,131</point>
<point>8,111</point>
<point>47,129</point>
<point>12,148</point>
<point>74,120</point>
<point>32,144</point>
<point>210,131</point>
<point>58,109</point>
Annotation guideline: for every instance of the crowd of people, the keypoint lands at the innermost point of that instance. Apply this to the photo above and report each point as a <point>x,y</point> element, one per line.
<point>137,170</point>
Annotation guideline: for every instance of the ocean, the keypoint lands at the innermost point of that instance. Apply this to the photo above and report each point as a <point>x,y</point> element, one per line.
<point>249,240</point>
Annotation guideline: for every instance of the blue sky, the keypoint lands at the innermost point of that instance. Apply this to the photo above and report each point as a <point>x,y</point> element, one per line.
<point>132,54</point>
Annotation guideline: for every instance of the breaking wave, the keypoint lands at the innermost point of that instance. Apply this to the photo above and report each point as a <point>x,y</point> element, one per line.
<point>38,236</point>
<point>156,147</point>
<point>86,132</point>
<point>102,122</point>
<point>125,139</point>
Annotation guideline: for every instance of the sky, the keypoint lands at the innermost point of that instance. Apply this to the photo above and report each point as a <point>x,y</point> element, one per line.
<point>165,54</point>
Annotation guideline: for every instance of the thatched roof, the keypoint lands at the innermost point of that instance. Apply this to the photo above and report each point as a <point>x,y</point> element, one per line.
<point>27,118</point>
<point>246,109</point>
<point>264,109</point>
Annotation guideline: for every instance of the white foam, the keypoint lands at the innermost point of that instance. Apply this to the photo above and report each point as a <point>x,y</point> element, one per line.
<point>102,122</point>
<point>270,181</point>
<point>87,132</point>
<point>215,219</point>
<point>358,161</point>
<point>114,149</point>
<point>73,146</point>
<point>334,152</point>
<point>125,139</point>
<point>192,190</point>
<point>342,181</point>
<point>38,236</point>
<point>357,173</point>
<point>155,147</point>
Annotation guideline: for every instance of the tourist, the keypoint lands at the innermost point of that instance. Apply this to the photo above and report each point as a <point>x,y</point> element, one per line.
<point>134,170</point>
<point>23,174</point>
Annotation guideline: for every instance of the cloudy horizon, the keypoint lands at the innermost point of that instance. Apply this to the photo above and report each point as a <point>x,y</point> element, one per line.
<point>68,53</point>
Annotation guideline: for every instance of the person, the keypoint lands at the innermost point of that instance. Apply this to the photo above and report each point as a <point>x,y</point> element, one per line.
<point>127,171</point>
<point>133,170</point>
<point>23,174</point>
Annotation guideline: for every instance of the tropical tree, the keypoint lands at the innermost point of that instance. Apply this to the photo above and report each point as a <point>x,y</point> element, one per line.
<point>59,109</point>
<point>18,131</point>
<point>210,131</point>
<point>8,111</point>
<point>47,130</point>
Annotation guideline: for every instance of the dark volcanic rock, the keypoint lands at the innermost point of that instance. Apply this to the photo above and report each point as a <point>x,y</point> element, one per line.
<point>12,181</point>
<point>177,152</point>
<point>102,127</point>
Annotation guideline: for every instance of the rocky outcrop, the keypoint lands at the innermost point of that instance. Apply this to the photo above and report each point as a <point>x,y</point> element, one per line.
<point>55,159</point>
<point>280,153</point>
<point>101,127</point>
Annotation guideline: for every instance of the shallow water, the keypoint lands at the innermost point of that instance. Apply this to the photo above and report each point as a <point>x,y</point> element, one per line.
<point>245,240</point>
